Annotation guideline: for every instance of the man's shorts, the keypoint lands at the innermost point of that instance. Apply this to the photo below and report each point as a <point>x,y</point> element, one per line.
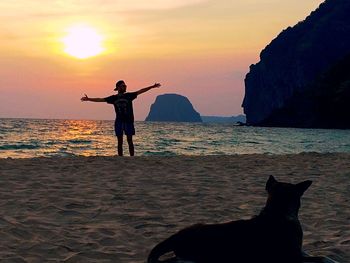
<point>121,127</point>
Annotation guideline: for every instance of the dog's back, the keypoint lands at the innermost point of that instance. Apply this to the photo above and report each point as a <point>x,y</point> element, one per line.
<point>273,236</point>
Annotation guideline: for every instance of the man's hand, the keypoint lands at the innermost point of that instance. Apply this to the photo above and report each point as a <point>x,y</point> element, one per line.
<point>85,98</point>
<point>156,85</point>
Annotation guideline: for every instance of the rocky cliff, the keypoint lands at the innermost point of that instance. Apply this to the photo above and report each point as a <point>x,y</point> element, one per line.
<point>302,78</point>
<point>173,108</point>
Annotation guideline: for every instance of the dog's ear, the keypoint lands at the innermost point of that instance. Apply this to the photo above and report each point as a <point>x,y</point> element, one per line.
<point>303,186</point>
<point>270,183</point>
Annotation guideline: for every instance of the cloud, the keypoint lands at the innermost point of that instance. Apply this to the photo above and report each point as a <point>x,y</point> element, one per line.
<point>57,7</point>
<point>150,4</point>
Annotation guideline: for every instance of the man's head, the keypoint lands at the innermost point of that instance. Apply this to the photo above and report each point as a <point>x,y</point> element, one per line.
<point>120,86</point>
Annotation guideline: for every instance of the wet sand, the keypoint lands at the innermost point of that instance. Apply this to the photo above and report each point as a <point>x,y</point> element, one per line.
<point>110,209</point>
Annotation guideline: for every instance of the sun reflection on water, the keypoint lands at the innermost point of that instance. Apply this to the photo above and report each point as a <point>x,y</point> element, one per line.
<point>22,138</point>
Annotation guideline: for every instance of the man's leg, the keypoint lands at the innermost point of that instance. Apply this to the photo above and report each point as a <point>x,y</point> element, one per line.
<point>131,145</point>
<point>120,145</point>
<point>129,132</point>
<point>118,127</point>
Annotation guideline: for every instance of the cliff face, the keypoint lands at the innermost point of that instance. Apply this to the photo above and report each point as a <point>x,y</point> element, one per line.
<point>173,108</point>
<point>323,104</point>
<point>283,89</point>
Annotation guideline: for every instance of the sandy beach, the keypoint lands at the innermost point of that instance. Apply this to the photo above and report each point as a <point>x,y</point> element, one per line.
<point>110,209</point>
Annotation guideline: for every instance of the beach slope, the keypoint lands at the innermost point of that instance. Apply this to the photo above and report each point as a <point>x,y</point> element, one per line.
<point>110,209</point>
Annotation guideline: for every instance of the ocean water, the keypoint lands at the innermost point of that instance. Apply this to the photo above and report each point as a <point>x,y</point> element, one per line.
<point>25,138</point>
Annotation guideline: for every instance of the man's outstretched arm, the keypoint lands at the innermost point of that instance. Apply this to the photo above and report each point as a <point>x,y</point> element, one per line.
<point>156,85</point>
<point>86,98</point>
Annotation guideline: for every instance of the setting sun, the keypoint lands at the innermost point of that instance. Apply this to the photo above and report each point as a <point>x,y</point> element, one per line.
<point>82,42</point>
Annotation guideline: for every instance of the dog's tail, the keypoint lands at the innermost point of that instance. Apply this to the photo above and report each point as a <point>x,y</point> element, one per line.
<point>160,249</point>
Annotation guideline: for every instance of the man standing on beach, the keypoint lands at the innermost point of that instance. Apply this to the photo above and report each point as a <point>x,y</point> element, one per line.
<point>124,122</point>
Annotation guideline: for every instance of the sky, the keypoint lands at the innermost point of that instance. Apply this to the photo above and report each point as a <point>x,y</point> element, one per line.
<point>201,49</point>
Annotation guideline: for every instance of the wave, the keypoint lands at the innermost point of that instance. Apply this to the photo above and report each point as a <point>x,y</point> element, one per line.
<point>76,141</point>
<point>19,146</point>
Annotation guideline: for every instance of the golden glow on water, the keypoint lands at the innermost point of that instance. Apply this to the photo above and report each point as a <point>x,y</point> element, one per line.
<point>21,138</point>
<point>83,42</point>
<point>80,134</point>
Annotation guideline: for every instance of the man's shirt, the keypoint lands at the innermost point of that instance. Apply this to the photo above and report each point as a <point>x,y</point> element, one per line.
<point>123,106</point>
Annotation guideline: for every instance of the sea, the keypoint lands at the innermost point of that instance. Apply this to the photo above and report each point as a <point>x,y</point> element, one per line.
<point>28,138</point>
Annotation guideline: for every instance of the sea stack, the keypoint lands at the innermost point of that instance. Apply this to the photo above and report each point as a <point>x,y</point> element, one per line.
<point>173,108</point>
<point>303,77</point>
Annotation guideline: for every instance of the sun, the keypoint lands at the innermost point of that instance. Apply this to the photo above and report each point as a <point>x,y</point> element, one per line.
<point>82,42</point>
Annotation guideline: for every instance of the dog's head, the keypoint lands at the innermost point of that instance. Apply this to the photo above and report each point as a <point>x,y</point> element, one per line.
<point>284,198</point>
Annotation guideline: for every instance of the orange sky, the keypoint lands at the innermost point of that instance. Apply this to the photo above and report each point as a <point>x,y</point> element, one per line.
<point>198,48</point>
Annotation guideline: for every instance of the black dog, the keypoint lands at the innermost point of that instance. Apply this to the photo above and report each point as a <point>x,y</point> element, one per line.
<point>274,236</point>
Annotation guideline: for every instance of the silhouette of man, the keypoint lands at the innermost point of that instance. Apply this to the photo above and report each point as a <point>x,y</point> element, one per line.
<point>124,122</point>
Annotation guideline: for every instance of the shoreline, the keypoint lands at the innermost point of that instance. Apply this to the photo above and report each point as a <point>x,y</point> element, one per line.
<point>111,209</point>
<point>314,154</point>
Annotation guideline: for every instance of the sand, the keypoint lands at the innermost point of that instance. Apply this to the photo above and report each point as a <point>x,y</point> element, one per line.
<point>111,209</point>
